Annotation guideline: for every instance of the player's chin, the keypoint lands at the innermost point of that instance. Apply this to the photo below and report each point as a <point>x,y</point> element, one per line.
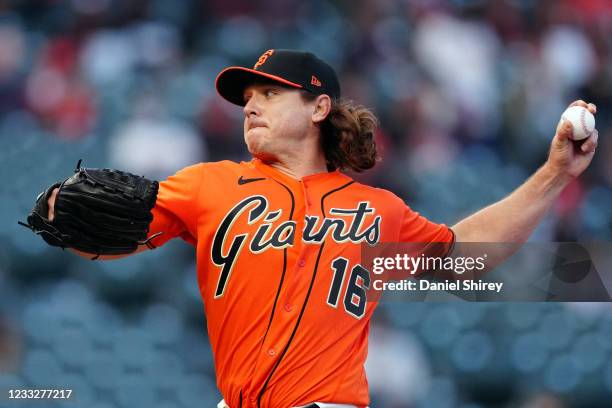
<point>254,140</point>
<point>252,145</point>
<point>250,137</point>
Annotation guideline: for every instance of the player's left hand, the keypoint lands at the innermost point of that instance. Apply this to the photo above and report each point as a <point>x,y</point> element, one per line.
<point>570,157</point>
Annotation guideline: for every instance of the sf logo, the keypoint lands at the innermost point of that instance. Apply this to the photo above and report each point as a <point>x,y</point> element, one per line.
<point>263,58</point>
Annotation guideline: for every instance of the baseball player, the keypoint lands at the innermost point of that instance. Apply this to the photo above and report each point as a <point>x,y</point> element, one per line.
<point>278,238</point>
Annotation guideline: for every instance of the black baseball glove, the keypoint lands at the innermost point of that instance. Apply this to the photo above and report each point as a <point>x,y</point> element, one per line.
<point>98,211</point>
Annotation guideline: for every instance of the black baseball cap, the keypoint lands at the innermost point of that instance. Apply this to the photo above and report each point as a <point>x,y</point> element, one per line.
<point>291,68</point>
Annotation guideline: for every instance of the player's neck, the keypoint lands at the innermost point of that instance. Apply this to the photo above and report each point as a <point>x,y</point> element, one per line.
<point>298,165</point>
<point>298,168</point>
<point>299,158</point>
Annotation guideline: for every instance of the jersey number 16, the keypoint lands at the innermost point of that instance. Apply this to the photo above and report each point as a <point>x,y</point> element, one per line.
<point>355,296</point>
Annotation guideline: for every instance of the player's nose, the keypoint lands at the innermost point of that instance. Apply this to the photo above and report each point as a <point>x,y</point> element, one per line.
<point>252,107</point>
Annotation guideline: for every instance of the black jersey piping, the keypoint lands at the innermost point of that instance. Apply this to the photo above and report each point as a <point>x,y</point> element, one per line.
<point>297,324</point>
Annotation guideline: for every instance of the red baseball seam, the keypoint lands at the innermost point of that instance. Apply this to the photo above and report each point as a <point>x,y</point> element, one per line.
<point>583,122</point>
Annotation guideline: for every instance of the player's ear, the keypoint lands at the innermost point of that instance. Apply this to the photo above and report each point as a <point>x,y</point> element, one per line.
<point>321,108</point>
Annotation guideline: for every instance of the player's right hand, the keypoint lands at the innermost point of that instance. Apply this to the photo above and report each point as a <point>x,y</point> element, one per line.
<point>568,158</point>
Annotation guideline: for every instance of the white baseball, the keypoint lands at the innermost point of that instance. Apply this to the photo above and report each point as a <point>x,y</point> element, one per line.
<point>583,121</point>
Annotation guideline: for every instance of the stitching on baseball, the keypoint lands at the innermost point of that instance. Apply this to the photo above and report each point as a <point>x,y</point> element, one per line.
<point>583,122</point>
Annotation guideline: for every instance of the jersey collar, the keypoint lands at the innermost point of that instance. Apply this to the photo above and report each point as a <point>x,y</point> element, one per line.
<point>331,177</point>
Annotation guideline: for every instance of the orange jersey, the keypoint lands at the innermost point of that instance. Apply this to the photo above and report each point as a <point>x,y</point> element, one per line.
<point>278,270</point>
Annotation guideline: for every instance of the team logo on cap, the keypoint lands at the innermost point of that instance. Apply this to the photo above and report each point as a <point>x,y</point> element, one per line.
<point>315,81</point>
<point>263,58</point>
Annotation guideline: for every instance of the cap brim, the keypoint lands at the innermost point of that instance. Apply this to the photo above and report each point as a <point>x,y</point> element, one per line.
<point>232,81</point>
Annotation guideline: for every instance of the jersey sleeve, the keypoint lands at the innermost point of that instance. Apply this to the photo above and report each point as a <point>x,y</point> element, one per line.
<point>432,240</point>
<point>177,207</point>
<point>415,228</point>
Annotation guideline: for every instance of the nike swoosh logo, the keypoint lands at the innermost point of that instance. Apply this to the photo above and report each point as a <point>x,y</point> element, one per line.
<point>242,180</point>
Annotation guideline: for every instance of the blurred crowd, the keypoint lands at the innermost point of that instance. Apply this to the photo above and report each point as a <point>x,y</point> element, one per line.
<point>468,93</point>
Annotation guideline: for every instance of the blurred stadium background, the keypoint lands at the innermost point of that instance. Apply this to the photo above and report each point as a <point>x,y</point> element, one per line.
<point>468,92</point>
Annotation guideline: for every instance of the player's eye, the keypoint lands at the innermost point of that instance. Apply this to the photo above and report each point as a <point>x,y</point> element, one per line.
<point>270,92</point>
